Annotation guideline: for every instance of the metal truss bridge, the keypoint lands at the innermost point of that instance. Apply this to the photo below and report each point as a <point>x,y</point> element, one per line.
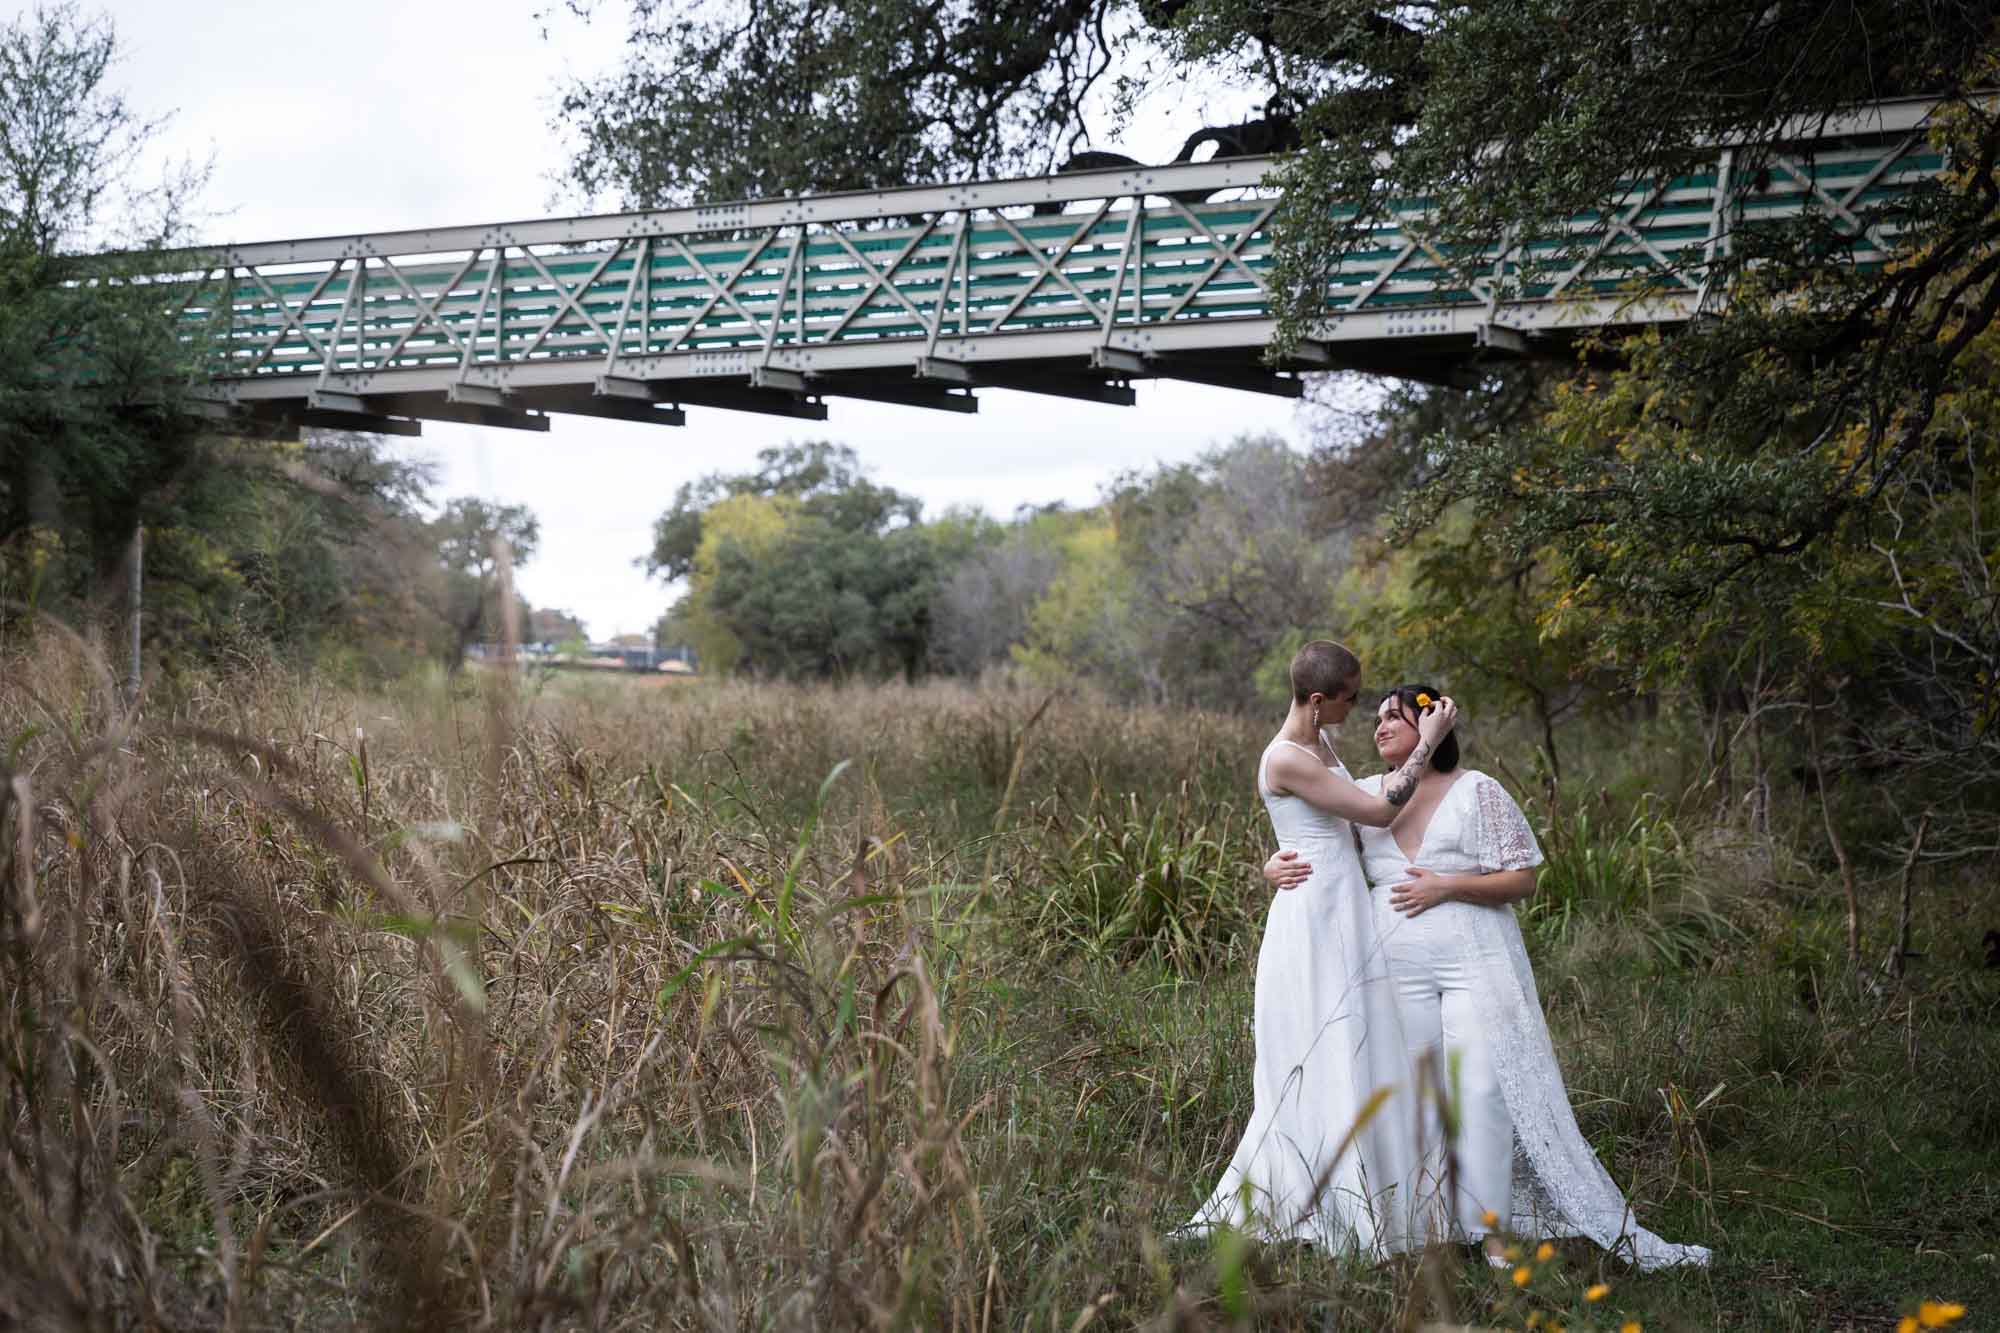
<point>1073,284</point>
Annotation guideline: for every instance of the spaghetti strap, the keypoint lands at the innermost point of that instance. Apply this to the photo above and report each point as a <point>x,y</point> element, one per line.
<point>1264,764</point>
<point>1327,1038</point>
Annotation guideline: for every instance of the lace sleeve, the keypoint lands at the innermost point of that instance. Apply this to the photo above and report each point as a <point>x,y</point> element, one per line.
<point>1505,840</point>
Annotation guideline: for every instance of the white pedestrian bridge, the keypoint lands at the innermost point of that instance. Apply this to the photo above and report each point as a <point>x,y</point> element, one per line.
<point>1071,284</point>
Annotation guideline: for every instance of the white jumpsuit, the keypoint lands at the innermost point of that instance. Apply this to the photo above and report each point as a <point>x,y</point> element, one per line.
<point>1466,993</point>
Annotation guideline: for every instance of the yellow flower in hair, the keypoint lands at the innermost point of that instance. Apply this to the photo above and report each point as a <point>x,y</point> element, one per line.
<point>1423,700</point>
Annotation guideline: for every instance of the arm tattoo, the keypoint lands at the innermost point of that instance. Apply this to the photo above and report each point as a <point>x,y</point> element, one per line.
<point>1402,784</point>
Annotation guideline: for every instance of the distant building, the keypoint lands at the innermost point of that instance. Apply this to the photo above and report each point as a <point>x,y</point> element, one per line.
<point>627,652</point>
<point>643,655</point>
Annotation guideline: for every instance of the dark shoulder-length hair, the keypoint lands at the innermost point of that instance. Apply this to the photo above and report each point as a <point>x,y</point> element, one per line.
<point>1445,758</point>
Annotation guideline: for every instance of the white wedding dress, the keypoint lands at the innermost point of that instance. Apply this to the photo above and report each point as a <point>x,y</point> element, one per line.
<point>1327,1039</point>
<point>1559,1186</point>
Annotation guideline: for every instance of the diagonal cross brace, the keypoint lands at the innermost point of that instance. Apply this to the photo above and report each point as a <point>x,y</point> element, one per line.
<point>427,311</point>
<point>570,299</point>
<point>877,278</point>
<point>1226,253</point>
<point>291,321</point>
<point>1842,207</point>
<point>721,290</point>
<point>1611,229</point>
<point>1050,268</point>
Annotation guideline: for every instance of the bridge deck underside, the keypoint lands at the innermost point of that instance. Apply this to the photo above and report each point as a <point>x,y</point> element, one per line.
<point>1073,285</point>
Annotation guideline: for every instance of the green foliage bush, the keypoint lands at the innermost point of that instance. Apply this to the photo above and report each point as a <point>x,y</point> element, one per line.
<point>1172,879</point>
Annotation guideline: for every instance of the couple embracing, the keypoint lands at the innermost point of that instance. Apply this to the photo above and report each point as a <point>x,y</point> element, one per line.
<point>1372,1007</point>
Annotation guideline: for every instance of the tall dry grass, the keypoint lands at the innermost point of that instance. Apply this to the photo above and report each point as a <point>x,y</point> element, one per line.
<point>511,1003</point>
<point>481,1006</point>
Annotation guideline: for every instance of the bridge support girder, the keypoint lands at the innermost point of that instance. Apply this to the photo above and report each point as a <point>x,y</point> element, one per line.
<point>1080,385</point>
<point>1500,338</point>
<point>1196,371</point>
<point>611,389</point>
<point>286,421</point>
<point>426,407</point>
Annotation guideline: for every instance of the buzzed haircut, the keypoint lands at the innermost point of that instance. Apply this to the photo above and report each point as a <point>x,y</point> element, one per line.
<point>1322,667</point>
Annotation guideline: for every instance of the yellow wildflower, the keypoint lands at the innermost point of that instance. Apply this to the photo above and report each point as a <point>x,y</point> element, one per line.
<point>1534,1319</point>
<point>1907,1324</point>
<point>1598,1292</point>
<point>1489,1218</point>
<point>1523,1275</point>
<point>1936,1314</point>
<point>1630,1326</point>
<point>1545,1253</point>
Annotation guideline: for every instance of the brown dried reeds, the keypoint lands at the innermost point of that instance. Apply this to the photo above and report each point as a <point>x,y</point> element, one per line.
<point>485,1033</point>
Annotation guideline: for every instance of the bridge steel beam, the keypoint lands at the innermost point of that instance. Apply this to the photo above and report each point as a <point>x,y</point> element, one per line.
<point>1071,284</point>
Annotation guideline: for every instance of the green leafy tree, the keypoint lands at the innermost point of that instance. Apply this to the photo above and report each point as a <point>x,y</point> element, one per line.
<point>822,478</point>
<point>1182,581</point>
<point>1228,553</point>
<point>476,542</point>
<point>822,601</point>
<point>749,527</point>
<point>322,555</point>
<point>803,567</point>
<point>96,432</point>
<point>550,625</point>
<point>1455,607</point>
<point>1088,623</point>
<point>818,96</point>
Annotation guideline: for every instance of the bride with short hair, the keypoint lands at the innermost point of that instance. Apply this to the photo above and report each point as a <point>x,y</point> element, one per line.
<point>1330,1151</point>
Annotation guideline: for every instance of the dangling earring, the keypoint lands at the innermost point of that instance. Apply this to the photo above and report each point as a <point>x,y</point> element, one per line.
<point>1315,717</point>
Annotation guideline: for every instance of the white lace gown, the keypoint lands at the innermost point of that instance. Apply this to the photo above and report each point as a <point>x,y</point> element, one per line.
<point>1327,1039</point>
<point>1559,1186</point>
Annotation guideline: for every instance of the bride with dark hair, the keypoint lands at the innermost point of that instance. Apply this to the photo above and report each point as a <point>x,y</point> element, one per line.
<point>1445,873</point>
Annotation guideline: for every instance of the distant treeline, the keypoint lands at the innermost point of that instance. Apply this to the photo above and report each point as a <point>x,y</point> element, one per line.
<point>1176,587</point>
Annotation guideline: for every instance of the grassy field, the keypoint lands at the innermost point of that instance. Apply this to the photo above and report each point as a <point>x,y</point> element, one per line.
<point>564,1004</point>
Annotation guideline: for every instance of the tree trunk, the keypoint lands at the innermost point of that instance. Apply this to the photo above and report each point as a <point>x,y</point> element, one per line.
<point>1719,761</point>
<point>1760,786</point>
<point>135,587</point>
<point>1903,914</point>
<point>1832,833</point>
<point>1548,734</point>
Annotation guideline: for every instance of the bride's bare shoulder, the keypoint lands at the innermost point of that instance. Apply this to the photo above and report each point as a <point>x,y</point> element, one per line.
<point>1288,765</point>
<point>1282,756</point>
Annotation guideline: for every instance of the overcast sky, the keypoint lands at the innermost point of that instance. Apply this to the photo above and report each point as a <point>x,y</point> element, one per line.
<point>369,116</point>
